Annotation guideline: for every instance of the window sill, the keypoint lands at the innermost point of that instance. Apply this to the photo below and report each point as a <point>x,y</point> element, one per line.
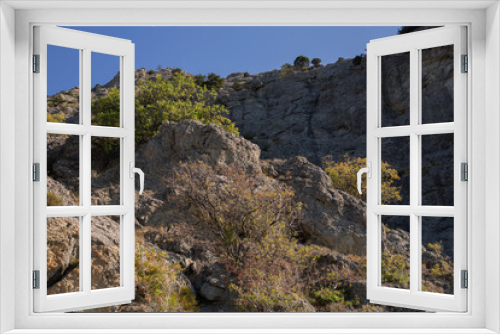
<point>251,331</point>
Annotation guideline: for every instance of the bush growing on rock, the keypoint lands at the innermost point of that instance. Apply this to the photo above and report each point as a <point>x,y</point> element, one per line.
<point>395,269</point>
<point>344,177</point>
<point>156,102</point>
<point>301,63</point>
<point>55,118</point>
<point>214,81</point>
<point>252,224</point>
<point>358,59</point>
<point>316,62</point>
<point>156,280</point>
<point>286,69</point>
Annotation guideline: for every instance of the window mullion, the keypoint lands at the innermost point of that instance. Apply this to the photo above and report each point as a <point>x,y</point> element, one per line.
<point>85,160</point>
<point>414,172</point>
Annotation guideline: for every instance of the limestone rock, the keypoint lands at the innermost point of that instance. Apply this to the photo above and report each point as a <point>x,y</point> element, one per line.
<point>332,218</point>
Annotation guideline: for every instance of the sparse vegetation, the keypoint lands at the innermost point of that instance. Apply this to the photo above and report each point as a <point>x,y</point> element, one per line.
<point>439,271</point>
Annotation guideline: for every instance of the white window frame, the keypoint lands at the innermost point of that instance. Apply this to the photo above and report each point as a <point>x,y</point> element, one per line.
<point>483,21</point>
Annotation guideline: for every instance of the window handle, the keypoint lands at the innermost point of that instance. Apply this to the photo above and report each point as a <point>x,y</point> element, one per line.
<point>368,171</point>
<point>134,170</point>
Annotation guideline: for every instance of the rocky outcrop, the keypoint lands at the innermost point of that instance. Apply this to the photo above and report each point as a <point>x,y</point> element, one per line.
<point>311,114</point>
<point>192,141</point>
<point>332,218</point>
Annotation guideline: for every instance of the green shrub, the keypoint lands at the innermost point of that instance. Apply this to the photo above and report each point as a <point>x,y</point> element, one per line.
<point>177,71</point>
<point>53,199</point>
<point>339,60</point>
<point>301,63</point>
<point>246,74</point>
<point>156,102</point>
<point>326,296</point>
<point>358,59</point>
<point>286,69</point>
<point>214,81</point>
<point>316,62</point>
<point>344,177</point>
<point>199,79</point>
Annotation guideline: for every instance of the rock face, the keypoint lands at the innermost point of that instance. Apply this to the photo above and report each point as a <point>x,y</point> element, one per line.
<point>332,218</point>
<point>310,114</point>
<point>192,141</point>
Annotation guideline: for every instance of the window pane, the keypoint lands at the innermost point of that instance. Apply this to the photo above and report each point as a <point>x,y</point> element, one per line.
<point>63,255</point>
<point>395,171</point>
<point>437,170</point>
<point>437,254</point>
<point>437,84</point>
<point>106,90</point>
<point>105,171</point>
<point>63,85</point>
<point>395,94</point>
<point>63,170</point>
<point>105,252</point>
<point>395,265</point>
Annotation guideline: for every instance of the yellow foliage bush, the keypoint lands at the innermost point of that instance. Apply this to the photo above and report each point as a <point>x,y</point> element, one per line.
<point>157,281</point>
<point>53,199</point>
<point>395,269</point>
<point>344,177</point>
<point>55,118</point>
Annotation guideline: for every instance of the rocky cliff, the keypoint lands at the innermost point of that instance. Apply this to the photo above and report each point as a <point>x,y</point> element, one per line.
<point>288,122</point>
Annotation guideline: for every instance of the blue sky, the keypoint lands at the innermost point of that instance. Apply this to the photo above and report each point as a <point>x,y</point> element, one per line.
<point>221,50</point>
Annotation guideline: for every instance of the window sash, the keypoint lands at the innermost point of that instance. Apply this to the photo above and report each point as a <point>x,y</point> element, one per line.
<point>414,43</point>
<point>87,43</point>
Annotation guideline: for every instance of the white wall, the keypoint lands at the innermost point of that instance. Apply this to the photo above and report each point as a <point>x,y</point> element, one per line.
<point>493,163</point>
<point>7,160</point>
